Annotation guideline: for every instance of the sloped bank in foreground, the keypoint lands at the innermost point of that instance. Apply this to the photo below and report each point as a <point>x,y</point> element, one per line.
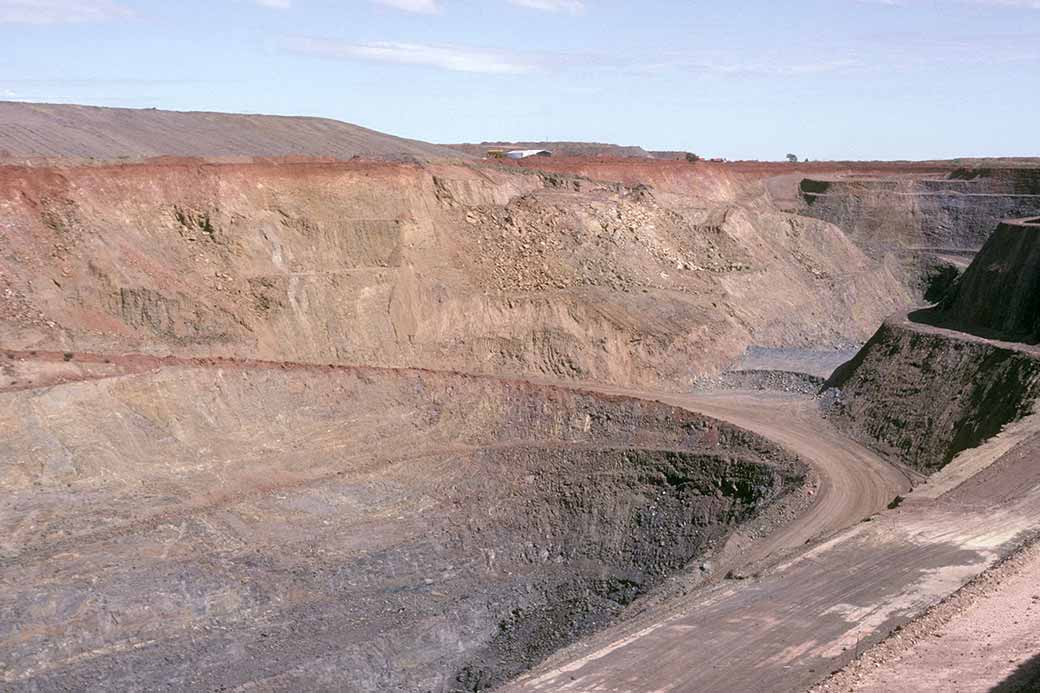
<point>921,394</point>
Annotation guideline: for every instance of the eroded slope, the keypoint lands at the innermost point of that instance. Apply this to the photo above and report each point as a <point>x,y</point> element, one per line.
<point>218,525</point>
<point>470,268</point>
<point>925,227</point>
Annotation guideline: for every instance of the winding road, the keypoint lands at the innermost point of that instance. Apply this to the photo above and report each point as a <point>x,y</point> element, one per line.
<point>812,608</point>
<point>855,482</point>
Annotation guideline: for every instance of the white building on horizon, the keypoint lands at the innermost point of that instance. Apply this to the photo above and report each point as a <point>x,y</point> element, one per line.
<point>525,153</point>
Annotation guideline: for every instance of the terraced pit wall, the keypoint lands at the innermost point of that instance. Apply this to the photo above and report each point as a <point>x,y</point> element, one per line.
<point>475,268</point>
<point>294,527</point>
<point>921,395</point>
<point>999,294</point>
<point>939,381</point>
<point>920,226</point>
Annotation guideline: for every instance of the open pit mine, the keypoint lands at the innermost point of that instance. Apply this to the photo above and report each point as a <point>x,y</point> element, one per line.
<point>292,405</point>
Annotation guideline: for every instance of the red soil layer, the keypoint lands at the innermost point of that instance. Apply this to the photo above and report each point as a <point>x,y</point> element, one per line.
<point>632,171</point>
<point>670,175</point>
<point>575,163</point>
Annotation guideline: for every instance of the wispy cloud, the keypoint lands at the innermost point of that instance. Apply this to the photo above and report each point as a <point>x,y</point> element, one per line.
<point>728,64</point>
<point>445,57</point>
<point>59,11</point>
<point>481,60</point>
<point>570,6</point>
<point>417,6</point>
<point>276,4</point>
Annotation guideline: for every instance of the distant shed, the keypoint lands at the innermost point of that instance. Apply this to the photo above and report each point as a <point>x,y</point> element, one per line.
<point>526,153</point>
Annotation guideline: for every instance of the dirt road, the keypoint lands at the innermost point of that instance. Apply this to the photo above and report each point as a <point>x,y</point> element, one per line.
<point>985,638</point>
<point>810,615</point>
<point>854,482</point>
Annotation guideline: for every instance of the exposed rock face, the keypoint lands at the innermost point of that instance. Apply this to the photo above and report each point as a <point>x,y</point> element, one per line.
<point>922,395</point>
<point>300,527</point>
<point>1000,293</point>
<point>918,225</point>
<point>443,266</point>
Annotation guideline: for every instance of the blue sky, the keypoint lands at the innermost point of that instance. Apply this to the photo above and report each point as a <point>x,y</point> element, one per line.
<point>825,79</point>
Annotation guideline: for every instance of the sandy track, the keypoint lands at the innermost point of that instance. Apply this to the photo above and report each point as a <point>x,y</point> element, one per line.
<point>854,481</point>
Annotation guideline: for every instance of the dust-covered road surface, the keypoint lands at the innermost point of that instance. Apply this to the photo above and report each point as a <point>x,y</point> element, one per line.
<point>854,482</point>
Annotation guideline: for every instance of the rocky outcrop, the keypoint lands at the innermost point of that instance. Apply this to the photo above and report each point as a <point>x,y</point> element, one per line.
<point>999,294</point>
<point>920,225</point>
<point>474,268</point>
<point>921,395</point>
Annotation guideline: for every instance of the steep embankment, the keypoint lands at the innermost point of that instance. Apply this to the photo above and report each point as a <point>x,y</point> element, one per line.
<point>227,524</point>
<point>924,228</point>
<point>29,130</point>
<point>921,395</point>
<point>446,266</point>
<point>923,389</point>
<point>1000,293</point>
